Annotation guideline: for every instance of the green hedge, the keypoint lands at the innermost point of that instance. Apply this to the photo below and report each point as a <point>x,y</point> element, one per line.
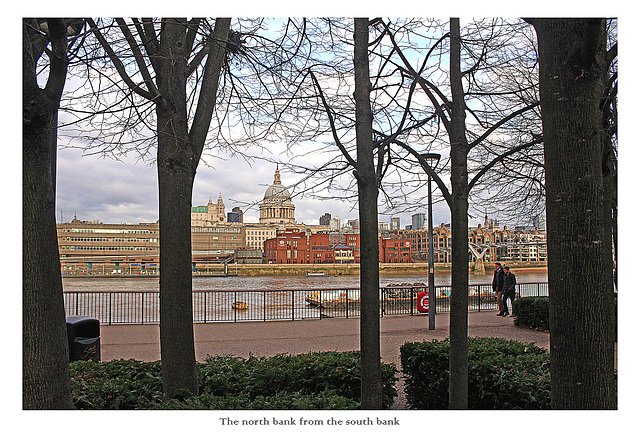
<point>329,380</point>
<point>532,312</point>
<point>503,374</point>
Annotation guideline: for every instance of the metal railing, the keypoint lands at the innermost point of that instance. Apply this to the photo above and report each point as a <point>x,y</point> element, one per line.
<point>142,307</point>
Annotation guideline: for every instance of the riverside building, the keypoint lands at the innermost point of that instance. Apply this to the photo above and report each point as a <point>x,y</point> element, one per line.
<point>209,214</point>
<point>218,236</point>
<point>99,248</point>
<point>522,244</point>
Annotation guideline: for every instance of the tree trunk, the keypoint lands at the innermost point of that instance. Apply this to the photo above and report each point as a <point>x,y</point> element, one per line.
<point>175,185</point>
<point>371,377</point>
<point>458,351</point>
<point>176,172</point>
<point>46,379</point>
<point>45,363</point>
<point>179,151</point>
<point>581,311</point>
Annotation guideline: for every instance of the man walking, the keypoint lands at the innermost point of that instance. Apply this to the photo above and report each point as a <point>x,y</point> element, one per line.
<point>509,290</point>
<point>498,284</point>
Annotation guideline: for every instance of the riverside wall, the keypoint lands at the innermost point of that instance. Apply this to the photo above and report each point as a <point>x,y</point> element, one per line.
<point>252,270</point>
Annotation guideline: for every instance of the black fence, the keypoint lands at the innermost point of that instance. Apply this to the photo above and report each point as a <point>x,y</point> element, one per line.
<point>142,307</point>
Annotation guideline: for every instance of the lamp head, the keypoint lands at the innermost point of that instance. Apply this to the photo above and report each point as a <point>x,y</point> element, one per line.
<point>432,159</point>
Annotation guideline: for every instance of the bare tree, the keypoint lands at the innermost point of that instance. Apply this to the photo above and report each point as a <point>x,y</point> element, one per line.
<point>47,45</point>
<point>337,95</point>
<point>405,128</point>
<point>348,119</point>
<point>450,109</point>
<point>610,146</point>
<point>573,73</point>
<point>156,61</point>
<point>368,182</point>
<point>180,85</point>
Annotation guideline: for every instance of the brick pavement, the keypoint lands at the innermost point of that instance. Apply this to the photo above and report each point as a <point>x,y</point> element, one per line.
<point>141,342</point>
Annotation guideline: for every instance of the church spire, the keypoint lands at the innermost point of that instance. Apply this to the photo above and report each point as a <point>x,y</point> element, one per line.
<point>276,178</point>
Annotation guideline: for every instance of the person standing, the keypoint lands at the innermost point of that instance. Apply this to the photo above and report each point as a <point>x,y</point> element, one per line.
<point>509,292</point>
<point>498,284</point>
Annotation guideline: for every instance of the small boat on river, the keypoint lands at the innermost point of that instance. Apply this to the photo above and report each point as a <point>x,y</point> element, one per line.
<point>332,300</point>
<point>239,305</point>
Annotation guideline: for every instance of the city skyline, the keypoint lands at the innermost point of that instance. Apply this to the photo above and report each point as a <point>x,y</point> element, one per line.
<point>125,191</point>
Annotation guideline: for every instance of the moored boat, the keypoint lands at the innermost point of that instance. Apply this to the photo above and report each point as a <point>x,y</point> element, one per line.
<point>331,299</point>
<point>239,305</point>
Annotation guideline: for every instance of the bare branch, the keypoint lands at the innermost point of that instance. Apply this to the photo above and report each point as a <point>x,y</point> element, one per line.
<point>119,66</point>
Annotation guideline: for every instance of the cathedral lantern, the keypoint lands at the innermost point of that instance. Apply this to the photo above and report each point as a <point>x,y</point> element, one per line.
<point>276,206</point>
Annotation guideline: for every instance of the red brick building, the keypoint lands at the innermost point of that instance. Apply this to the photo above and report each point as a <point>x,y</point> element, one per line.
<point>320,250</point>
<point>334,249</point>
<point>293,247</point>
<point>288,247</point>
<point>395,250</point>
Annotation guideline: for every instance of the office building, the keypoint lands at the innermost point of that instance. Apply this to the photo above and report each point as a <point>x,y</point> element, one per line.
<point>325,219</point>
<point>418,221</point>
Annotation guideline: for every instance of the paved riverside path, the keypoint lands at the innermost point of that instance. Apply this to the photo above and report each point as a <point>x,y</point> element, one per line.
<point>142,342</point>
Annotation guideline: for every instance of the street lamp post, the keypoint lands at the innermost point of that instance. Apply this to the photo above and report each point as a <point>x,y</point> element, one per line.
<point>432,161</point>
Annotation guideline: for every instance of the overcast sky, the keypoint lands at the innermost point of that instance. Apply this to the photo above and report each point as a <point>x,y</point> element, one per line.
<point>126,191</point>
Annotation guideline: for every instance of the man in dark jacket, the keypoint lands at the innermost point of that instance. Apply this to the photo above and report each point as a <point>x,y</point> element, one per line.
<point>509,292</point>
<point>498,284</point>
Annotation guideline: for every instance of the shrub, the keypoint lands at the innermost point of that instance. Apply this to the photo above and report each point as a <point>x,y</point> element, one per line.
<point>306,373</point>
<point>532,312</point>
<point>279,401</point>
<point>116,385</point>
<point>503,374</point>
<point>328,380</point>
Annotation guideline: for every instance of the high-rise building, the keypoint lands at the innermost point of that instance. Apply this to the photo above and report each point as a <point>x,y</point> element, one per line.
<point>383,226</point>
<point>334,224</point>
<point>418,221</point>
<point>237,210</point>
<point>325,219</point>
<point>354,224</point>
<point>539,221</point>
<point>395,223</point>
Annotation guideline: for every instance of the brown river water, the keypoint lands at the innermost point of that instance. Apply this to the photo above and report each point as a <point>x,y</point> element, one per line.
<point>280,282</point>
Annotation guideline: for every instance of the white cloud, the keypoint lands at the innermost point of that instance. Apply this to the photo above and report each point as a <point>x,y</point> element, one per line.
<point>126,191</point>
<point>104,189</point>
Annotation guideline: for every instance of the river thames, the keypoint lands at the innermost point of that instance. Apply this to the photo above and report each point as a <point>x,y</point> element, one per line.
<point>123,299</point>
<point>280,282</point>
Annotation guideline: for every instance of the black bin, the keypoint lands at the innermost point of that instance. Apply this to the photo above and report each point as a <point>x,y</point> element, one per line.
<point>83,333</point>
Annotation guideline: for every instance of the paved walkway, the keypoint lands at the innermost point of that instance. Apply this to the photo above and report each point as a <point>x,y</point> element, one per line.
<point>141,342</point>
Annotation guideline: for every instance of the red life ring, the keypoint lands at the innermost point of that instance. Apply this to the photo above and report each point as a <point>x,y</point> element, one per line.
<point>423,302</point>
